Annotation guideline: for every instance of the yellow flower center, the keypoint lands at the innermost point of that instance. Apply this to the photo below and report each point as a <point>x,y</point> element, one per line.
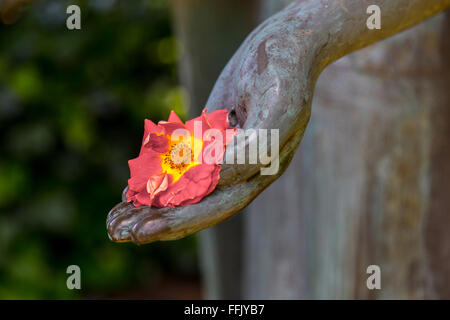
<point>181,156</point>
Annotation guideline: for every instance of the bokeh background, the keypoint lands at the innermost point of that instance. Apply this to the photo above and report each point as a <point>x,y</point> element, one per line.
<point>72,109</point>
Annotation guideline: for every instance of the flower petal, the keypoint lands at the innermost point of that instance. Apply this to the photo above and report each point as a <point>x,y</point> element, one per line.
<point>215,176</point>
<point>156,184</point>
<point>143,167</point>
<point>142,198</point>
<point>150,127</point>
<point>195,184</point>
<point>200,123</point>
<point>173,117</point>
<point>218,119</point>
<point>156,142</point>
<point>170,127</point>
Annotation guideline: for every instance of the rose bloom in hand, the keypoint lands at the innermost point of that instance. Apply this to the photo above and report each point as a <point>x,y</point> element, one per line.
<point>179,164</point>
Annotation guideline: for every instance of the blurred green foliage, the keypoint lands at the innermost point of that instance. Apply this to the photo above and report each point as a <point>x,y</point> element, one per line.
<point>72,109</point>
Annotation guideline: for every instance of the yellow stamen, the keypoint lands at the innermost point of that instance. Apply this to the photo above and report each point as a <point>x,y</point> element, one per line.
<point>180,157</point>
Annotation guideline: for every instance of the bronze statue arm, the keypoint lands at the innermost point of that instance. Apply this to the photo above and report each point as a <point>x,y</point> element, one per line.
<point>269,84</point>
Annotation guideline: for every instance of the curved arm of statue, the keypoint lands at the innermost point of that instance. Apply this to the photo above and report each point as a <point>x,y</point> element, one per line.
<point>269,84</point>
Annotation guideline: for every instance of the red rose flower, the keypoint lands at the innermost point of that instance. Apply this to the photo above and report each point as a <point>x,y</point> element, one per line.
<point>179,164</point>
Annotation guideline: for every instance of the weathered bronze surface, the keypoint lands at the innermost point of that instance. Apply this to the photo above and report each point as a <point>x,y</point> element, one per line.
<point>269,83</point>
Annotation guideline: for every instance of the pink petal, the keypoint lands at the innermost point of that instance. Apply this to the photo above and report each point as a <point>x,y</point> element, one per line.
<point>150,127</point>
<point>170,127</point>
<point>173,117</point>
<point>143,167</point>
<point>142,198</point>
<point>191,187</point>
<point>202,123</point>
<point>157,184</point>
<point>215,176</point>
<point>130,195</point>
<point>218,119</point>
<point>157,143</point>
